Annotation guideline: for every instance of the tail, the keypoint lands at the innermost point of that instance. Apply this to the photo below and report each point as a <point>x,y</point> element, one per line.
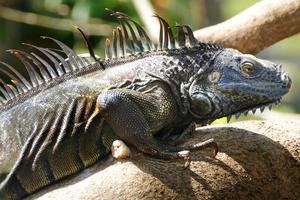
<point>73,154</point>
<point>11,189</point>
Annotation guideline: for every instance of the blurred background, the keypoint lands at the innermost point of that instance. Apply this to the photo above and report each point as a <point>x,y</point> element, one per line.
<point>27,20</point>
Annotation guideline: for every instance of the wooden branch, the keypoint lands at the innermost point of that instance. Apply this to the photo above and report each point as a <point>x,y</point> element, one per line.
<point>260,26</point>
<point>257,160</point>
<point>96,27</point>
<point>145,11</point>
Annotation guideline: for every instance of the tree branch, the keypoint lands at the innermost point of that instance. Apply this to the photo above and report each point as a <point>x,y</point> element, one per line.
<point>93,28</point>
<point>257,160</point>
<point>145,11</point>
<point>260,26</point>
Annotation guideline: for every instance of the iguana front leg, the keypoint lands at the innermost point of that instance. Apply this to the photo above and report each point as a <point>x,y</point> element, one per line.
<point>137,117</point>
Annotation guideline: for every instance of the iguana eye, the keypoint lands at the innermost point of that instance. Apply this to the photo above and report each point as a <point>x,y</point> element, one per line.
<point>247,68</point>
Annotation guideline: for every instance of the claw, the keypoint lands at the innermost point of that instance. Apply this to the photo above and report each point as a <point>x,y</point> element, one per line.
<point>187,163</point>
<point>216,149</point>
<point>186,156</point>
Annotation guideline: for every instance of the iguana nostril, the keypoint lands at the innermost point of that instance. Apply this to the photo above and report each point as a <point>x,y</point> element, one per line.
<point>284,77</point>
<point>286,80</point>
<point>289,82</point>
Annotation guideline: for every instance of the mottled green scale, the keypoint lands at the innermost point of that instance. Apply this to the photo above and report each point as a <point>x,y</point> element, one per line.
<point>66,160</point>
<point>153,113</point>
<point>93,144</point>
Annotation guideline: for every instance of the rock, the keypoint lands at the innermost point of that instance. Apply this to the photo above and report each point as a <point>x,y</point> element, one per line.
<point>256,160</point>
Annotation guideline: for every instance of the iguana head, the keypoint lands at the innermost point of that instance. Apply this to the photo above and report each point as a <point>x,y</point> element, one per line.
<point>235,83</point>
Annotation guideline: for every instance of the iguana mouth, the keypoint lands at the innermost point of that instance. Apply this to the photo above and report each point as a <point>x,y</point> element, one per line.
<point>244,111</point>
<point>261,107</point>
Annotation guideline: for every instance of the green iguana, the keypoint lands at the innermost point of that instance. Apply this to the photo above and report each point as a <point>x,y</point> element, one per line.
<point>66,116</point>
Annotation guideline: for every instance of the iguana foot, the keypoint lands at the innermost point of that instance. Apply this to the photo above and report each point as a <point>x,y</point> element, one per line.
<point>120,150</point>
<point>186,156</point>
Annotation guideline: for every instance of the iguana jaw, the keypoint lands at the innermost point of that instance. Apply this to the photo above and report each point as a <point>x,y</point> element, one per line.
<point>261,107</point>
<point>245,111</point>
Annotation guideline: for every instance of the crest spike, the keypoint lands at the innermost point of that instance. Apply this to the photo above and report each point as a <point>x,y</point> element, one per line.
<point>2,100</point>
<point>181,36</point>
<point>46,64</point>
<point>143,35</point>
<point>13,89</point>
<point>107,49</point>
<point>3,91</point>
<point>9,94</point>
<point>22,78</point>
<point>20,87</point>
<point>35,78</point>
<point>62,61</point>
<point>163,34</point>
<point>75,60</point>
<point>15,80</point>
<point>160,41</point>
<point>114,45</point>
<point>87,43</point>
<point>136,42</point>
<point>43,71</point>
<point>53,60</point>
<point>168,38</point>
<point>192,40</point>
<point>121,42</point>
<point>172,43</point>
<point>90,48</point>
<point>128,42</point>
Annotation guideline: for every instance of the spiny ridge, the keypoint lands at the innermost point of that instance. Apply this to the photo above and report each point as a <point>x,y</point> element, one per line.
<point>131,38</point>
<point>48,64</point>
<point>43,66</point>
<point>261,108</point>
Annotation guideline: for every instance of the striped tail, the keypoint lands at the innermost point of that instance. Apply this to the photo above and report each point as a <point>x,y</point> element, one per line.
<point>74,153</point>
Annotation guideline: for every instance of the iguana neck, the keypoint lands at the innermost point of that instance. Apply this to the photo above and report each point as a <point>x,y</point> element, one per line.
<point>184,69</point>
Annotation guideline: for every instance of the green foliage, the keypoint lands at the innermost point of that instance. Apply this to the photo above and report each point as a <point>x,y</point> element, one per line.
<point>233,7</point>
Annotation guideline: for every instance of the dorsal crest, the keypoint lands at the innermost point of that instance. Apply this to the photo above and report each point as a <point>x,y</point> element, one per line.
<point>130,38</point>
<point>46,66</point>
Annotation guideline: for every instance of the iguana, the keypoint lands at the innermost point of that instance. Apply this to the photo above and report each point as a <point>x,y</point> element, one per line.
<point>66,115</point>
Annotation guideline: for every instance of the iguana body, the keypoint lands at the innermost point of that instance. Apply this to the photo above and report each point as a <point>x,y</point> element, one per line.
<point>67,122</point>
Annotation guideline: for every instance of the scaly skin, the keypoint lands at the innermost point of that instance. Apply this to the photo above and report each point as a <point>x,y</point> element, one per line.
<point>66,127</point>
